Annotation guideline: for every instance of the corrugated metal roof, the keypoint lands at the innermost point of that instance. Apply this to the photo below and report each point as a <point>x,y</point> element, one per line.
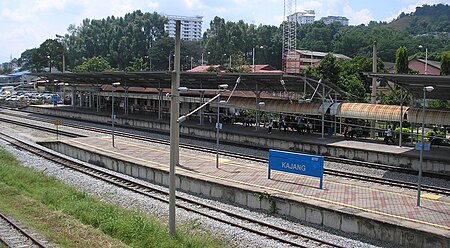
<point>432,117</point>
<point>278,106</point>
<point>326,106</point>
<point>371,111</point>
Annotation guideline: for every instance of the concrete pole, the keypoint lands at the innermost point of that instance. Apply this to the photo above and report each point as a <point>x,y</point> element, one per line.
<point>174,130</point>
<point>160,99</point>
<point>373,96</point>
<point>112,116</point>
<point>98,98</point>
<point>217,132</point>
<point>202,99</point>
<point>253,53</point>
<point>323,110</point>
<point>401,119</point>
<point>419,181</point>
<point>258,95</point>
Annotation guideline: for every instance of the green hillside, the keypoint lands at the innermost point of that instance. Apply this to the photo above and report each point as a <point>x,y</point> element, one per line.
<point>426,19</point>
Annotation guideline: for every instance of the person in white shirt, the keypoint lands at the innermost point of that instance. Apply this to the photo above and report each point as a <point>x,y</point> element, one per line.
<point>388,135</point>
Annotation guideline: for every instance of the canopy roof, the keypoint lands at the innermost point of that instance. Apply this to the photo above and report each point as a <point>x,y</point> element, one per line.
<point>195,80</point>
<point>414,84</point>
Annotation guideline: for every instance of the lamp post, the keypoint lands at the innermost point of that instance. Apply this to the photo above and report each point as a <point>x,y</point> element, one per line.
<point>203,62</point>
<point>419,181</point>
<point>149,62</point>
<point>49,65</point>
<point>426,58</point>
<point>191,61</point>
<point>113,116</point>
<point>222,88</point>
<point>253,55</point>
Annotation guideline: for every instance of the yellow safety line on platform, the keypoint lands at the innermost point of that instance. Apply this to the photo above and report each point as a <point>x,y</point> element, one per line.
<point>431,196</point>
<point>274,189</point>
<point>265,169</point>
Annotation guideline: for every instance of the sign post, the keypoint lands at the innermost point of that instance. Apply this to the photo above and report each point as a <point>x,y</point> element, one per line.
<point>56,122</point>
<point>303,164</point>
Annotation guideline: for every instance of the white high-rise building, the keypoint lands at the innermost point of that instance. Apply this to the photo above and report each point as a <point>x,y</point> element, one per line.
<point>330,19</point>
<point>303,17</point>
<point>191,26</point>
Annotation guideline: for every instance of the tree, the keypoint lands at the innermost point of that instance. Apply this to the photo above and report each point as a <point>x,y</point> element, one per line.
<point>94,64</point>
<point>445,63</point>
<point>401,60</point>
<point>328,68</point>
<point>49,54</point>
<point>137,65</point>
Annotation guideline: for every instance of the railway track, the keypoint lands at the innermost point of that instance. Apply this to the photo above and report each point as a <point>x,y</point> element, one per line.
<point>12,235</point>
<point>237,155</point>
<point>338,173</point>
<point>258,227</point>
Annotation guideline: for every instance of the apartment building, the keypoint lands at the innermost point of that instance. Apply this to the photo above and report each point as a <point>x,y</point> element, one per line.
<point>191,26</point>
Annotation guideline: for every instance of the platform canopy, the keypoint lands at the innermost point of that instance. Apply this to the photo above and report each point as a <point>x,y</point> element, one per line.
<point>198,80</point>
<point>414,84</point>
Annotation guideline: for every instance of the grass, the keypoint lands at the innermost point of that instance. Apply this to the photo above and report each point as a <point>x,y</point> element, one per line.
<point>72,218</point>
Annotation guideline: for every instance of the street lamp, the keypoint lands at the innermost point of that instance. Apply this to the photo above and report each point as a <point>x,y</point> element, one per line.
<point>203,61</point>
<point>113,117</point>
<point>426,58</point>
<point>222,88</point>
<point>63,57</point>
<point>149,62</point>
<point>419,183</point>
<point>49,66</point>
<point>253,55</point>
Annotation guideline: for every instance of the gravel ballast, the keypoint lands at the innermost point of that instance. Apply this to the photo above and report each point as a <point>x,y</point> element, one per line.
<point>233,236</point>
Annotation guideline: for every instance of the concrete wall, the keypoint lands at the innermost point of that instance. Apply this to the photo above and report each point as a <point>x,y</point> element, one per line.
<point>312,211</point>
<point>401,160</point>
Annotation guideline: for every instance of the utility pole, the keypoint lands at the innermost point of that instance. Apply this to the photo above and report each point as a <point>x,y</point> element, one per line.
<point>174,129</point>
<point>373,96</point>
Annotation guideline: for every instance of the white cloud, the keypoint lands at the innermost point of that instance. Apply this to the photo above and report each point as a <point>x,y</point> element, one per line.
<point>412,4</point>
<point>193,4</point>
<point>44,5</point>
<point>357,17</point>
<point>153,5</point>
<point>315,5</point>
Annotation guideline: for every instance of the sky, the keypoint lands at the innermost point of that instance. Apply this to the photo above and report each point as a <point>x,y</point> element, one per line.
<point>25,24</point>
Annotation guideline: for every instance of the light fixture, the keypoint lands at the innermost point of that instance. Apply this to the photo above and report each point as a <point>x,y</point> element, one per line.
<point>282,82</point>
<point>428,88</point>
<point>183,89</point>
<point>223,86</point>
<point>238,80</point>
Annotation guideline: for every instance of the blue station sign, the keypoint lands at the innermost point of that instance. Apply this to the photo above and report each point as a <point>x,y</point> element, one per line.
<point>297,163</point>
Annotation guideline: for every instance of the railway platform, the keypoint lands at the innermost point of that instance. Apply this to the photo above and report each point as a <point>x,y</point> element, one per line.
<point>376,211</point>
<point>363,149</point>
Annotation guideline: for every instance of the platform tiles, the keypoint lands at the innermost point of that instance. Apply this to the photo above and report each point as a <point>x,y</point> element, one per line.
<point>382,203</point>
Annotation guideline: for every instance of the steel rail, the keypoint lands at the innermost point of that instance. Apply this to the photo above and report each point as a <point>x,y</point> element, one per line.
<point>147,190</point>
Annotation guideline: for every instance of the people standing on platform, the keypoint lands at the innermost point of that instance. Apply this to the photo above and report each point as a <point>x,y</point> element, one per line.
<point>345,132</point>
<point>283,124</point>
<point>388,135</point>
<point>270,126</point>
